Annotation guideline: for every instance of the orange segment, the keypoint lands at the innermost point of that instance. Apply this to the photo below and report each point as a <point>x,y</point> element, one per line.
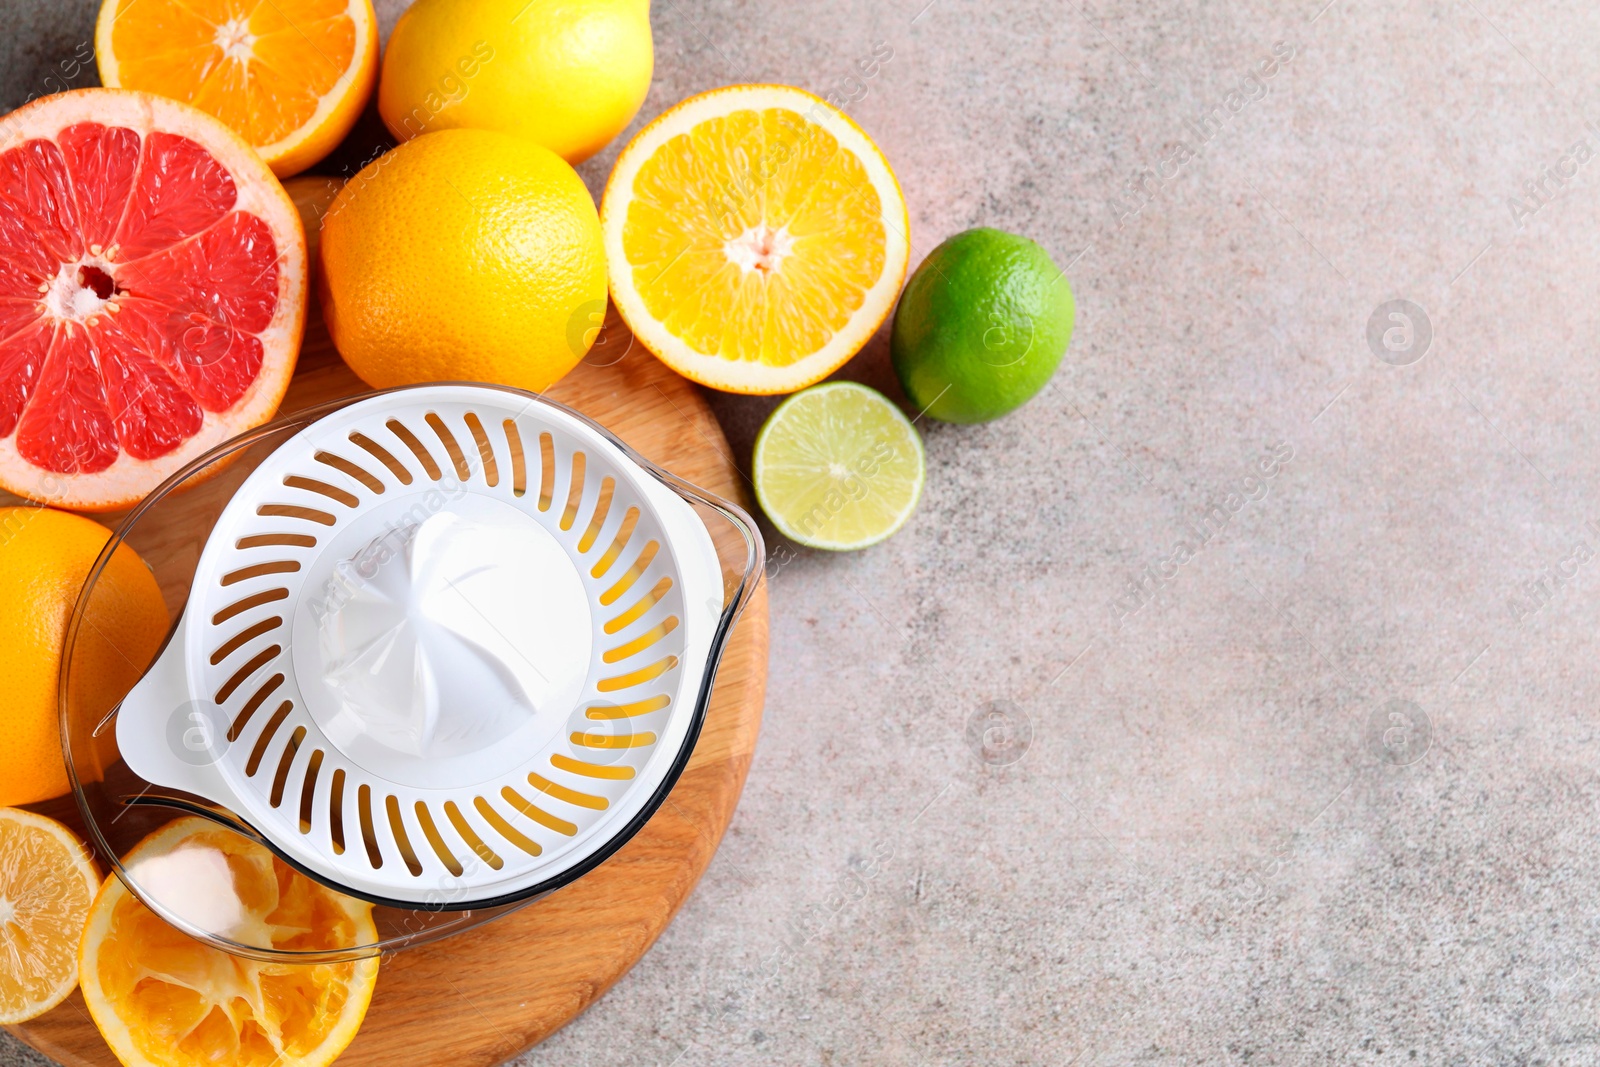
<point>289,76</point>
<point>162,999</point>
<point>46,883</point>
<point>756,238</point>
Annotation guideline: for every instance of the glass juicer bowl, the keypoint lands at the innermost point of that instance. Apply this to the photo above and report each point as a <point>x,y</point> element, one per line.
<point>443,457</point>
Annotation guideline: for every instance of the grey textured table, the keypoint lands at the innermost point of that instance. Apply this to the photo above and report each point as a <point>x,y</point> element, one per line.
<point>1321,789</point>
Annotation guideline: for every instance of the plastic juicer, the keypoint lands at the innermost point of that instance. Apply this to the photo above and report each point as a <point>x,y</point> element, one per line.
<point>444,648</point>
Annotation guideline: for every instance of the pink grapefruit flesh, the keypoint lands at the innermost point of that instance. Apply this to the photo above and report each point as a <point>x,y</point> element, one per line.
<point>152,294</point>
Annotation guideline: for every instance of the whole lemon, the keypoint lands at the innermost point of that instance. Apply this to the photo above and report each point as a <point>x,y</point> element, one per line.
<point>567,74</point>
<point>45,556</point>
<point>463,255</point>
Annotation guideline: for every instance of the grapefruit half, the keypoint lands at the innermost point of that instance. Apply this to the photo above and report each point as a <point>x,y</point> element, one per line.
<point>152,294</point>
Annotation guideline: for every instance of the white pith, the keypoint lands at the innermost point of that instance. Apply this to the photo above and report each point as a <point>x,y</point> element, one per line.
<point>752,376</point>
<point>67,299</point>
<point>236,40</point>
<point>760,248</point>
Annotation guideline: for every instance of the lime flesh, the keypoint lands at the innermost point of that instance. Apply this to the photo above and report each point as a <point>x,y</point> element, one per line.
<point>838,467</point>
<point>981,327</point>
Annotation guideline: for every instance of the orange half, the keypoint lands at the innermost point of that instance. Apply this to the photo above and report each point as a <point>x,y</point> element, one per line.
<point>162,999</point>
<point>755,238</point>
<point>289,76</point>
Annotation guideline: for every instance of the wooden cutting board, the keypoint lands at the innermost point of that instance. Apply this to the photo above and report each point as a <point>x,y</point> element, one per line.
<point>483,996</point>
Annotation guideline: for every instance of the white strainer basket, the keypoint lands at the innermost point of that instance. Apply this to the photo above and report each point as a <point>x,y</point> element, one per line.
<point>445,647</point>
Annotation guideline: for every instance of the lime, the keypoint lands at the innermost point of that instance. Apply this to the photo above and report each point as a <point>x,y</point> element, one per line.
<point>837,466</point>
<point>981,327</point>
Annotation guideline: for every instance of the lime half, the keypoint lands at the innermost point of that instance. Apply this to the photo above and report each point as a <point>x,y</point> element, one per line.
<point>839,467</point>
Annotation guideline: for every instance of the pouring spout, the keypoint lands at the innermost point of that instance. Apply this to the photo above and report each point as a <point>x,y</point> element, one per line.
<point>166,735</point>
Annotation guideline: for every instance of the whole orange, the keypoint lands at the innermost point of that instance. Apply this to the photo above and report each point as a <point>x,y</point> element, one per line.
<point>45,556</point>
<point>463,255</point>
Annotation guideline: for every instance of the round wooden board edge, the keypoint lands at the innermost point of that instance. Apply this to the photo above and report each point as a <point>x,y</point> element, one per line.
<point>675,847</point>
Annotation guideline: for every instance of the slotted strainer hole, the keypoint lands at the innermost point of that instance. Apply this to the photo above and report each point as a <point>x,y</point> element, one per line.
<point>642,642</point>
<point>644,604</point>
<point>284,761</point>
<point>431,832</point>
<point>424,457</point>
<point>631,575</point>
<point>308,789</point>
<point>519,461</point>
<point>259,660</point>
<point>590,770</point>
<point>491,469</point>
<point>574,492</point>
<point>249,633</point>
<point>505,829</point>
<point>295,511</point>
<point>470,836</point>
<point>602,506</point>
<point>336,811</point>
<point>629,520</point>
<point>571,796</point>
<point>275,540</point>
<point>615,741</point>
<point>628,711</point>
<point>332,492</point>
<point>258,570</point>
<point>537,814</point>
<point>267,689</point>
<point>254,600</point>
<point>254,763</point>
<point>547,471</point>
<point>368,834</point>
<point>639,677</point>
<point>397,826</point>
<point>354,470</point>
<point>448,439</point>
<point>382,455</point>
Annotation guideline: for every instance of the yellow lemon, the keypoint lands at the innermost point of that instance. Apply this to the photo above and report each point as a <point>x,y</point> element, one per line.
<point>567,74</point>
<point>162,999</point>
<point>463,255</point>
<point>45,556</point>
<point>46,883</point>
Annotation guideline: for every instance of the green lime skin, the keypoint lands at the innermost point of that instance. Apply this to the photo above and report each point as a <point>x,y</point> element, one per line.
<point>981,326</point>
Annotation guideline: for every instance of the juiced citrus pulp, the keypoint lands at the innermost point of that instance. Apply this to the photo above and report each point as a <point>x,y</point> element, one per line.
<point>755,238</point>
<point>152,293</point>
<point>289,76</point>
<point>46,883</point>
<point>162,999</point>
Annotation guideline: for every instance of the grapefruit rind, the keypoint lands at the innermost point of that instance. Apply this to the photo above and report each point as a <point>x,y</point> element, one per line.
<point>128,479</point>
<point>752,377</point>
